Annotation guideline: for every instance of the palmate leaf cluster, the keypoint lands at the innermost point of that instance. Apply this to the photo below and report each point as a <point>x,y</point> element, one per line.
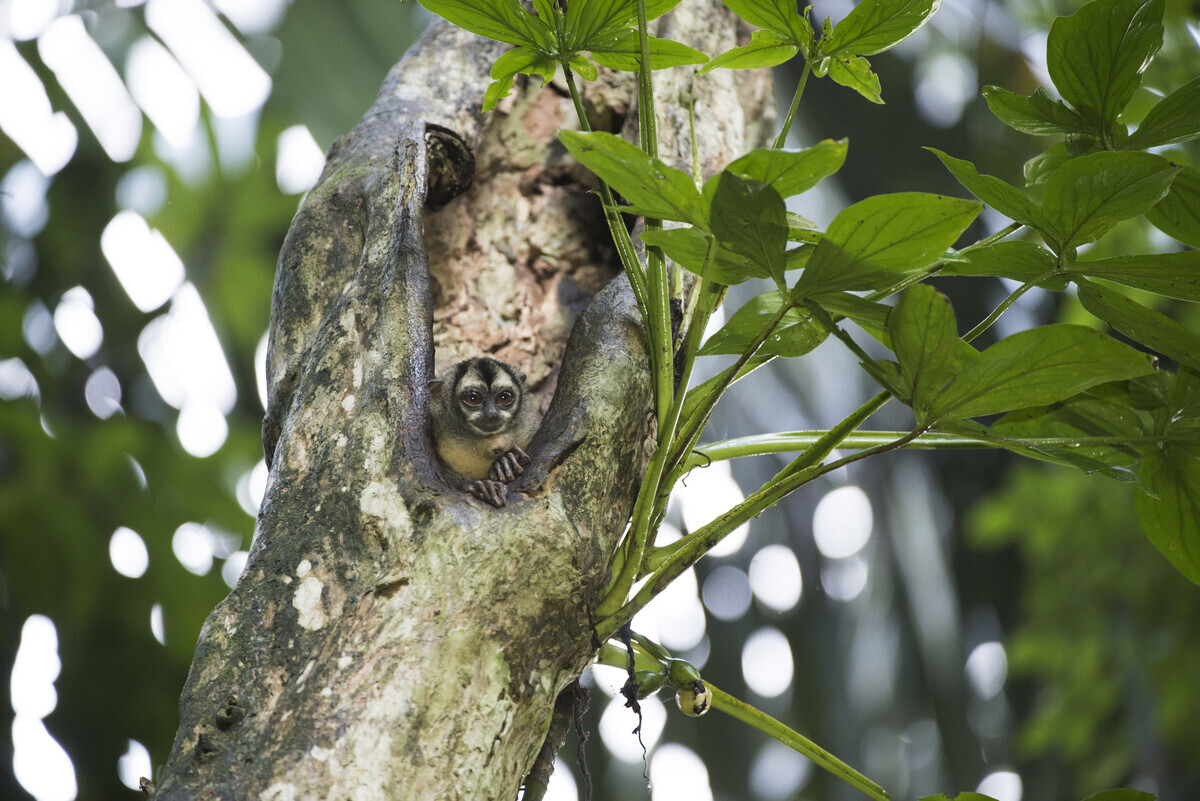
<point>554,37</point>
<point>1126,406</point>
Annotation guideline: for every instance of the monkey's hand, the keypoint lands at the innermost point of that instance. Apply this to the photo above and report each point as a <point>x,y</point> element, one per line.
<point>494,492</point>
<point>510,465</point>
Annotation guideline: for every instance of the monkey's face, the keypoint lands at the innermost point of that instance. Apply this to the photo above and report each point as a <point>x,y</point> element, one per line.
<point>487,409</point>
<point>488,398</point>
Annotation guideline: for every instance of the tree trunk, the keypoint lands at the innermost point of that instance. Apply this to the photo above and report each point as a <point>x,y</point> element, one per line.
<point>391,637</point>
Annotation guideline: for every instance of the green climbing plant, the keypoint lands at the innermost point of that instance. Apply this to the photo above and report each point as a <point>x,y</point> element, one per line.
<point>1127,407</point>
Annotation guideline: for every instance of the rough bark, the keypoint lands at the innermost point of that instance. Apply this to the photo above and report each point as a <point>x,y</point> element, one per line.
<point>390,637</point>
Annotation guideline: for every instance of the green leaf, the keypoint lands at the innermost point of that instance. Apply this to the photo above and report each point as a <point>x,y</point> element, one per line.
<point>1178,214</point>
<point>1076,419</point>
<point>521,59</point>
<point>1039,168</point>
<point>502,20</point>
<point>876,241</point>
<point>887,374</point>
<point>654,189</point>
<point>1090,194</point>
<point>873,26</point>
<point>796,335</point>
<point>854,72</point>
<point>790,172</point>
<point>1174,119</point>
<point>959,797</point>
<point>1070,457</point>
<point>1037,114</point>
<point>782,16</point>
<point>1153,329</point>
<point>688,247</point>
<point>1172,519</point>
<point>767,48</point>
<point>1038,367</point>
<point>584,67</point>
<point>1017,260</point>
<point>748,217</point>
<point>623,53</point>
<point>870,316</point>
<point>1097,55</point>
<point>1004,198</point>
<point>802,229</point>
<point>1176,275</point>
<point>587,20</point>
<point>925,340</point>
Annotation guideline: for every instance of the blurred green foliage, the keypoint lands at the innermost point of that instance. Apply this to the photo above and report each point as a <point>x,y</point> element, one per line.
<point>69,479</point>
<point>1105,647</point>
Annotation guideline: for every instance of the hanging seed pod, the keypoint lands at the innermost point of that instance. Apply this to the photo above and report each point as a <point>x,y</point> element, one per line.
<point>694,700</point>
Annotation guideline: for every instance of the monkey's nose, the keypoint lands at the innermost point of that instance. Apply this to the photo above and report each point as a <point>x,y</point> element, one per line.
<point>489,423</point>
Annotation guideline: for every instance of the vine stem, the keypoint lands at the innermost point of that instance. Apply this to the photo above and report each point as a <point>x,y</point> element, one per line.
<point>822,317</point>
<point>695,545</point>
<point>658,286</point>
<point>616,226</point>
<point>793,739</point>
<point>987,322</point>
<point>781,140</point>
<point>643,508</point>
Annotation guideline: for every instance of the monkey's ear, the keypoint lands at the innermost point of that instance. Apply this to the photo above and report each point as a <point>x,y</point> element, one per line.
<point>521,378</point>
<point>435,387</point>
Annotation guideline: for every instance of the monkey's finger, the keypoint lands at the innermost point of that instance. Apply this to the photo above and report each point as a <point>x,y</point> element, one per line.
<point>504,469</point>
<point>520,455</point>
<point>512,466</point>
<point>491,491</point>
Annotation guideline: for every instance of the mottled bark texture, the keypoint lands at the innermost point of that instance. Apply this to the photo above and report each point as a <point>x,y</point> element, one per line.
<point>392,638</point>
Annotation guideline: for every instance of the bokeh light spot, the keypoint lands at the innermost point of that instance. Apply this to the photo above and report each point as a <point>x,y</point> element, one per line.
<point>842,522</point>
<point>677,773</point>
<point>23,199</point>
<point>201,428</point>
<point>617,724</point>
<point>706,493</point>
<point>775,577</point>
<point>103,393</point>
<point>193,547</point>
<point>767,662</point>
<point>93,85</point>
<point>16,381</point>
<point>987,668</point>
<point>157,627</point>
<point>844,579</point>
<point>235,565</point>
<point>1003,785</point>
<point>144,262</point>
<point>778,772</point>
<point>127,551</point>
<point>299,161</point>
<point>76,323</point>
<point>134,764</point>
<point>727,593</point>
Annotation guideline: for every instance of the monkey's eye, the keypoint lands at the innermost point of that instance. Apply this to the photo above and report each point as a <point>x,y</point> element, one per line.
<point>505,397</point>
<point>473,398</point>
